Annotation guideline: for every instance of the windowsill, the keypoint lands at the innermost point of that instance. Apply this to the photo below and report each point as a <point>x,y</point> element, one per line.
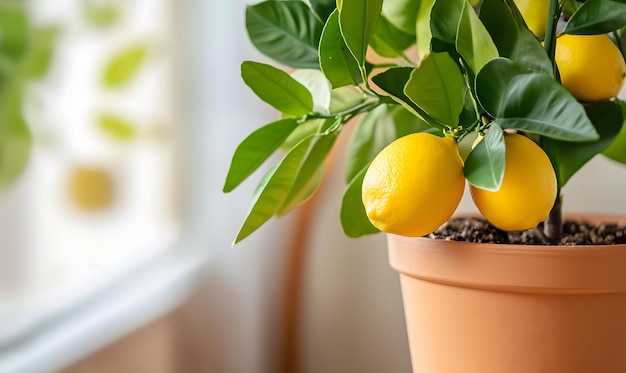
<point>50,334</point>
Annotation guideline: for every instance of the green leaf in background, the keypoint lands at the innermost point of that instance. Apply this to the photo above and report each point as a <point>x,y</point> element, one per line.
<point>402,14</point>
<point>393,81</point>
<point>36,60</point>
<point>388,40</point>
<point>99,14</point>
<point>317,84</point>
<point>274,188</point>
<point>532,102</point>
<point>473,42</point>
<point>336,61</point>
<point>617,150</point>
<point>323,8</point>
<point>310,173</point>
<point>14,28</point>
<point>513,39</point>
<point>568,157</point>
<point>255,149</point>
<point>354,219</point>
<point>377,129</point>
<point>124,66</point>
<point>597,17</point>
<point>286,31</point>
<point>15,137</point>
<point>116,127</point>
<point>484,166</point>
<point>357,21</point>
<point>277,88</point>
<point>436,86</point>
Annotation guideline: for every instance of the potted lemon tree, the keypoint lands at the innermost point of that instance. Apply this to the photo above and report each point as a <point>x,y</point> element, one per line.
<point>509,97</point>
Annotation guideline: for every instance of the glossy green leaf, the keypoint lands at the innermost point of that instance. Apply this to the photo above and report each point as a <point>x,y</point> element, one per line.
<point>286,31</point>
<point>124,66</point>
<point>444,20</point>
<point>513,39</point>
<point>354,219</point>
<point>402,14</point>
<point>310,173</point>
<point>393,81</point>
<point>484,166</point>
<point>531,102</point>
<point>436,86</point>
<point>424,34</point>
<point>116,127</point>
<point>569,157</point>
<point>388,40</point>
<point>15,137</point>
<point>254,150</point>
<point>323,8</point>
<point>473,42</point>
<point>336,61</point>
<point>357,21</point>
<point>275,186</point>
<point>277,88</point>
<point>316,83</point>
<point>617,150</point>
<point>597,17</point>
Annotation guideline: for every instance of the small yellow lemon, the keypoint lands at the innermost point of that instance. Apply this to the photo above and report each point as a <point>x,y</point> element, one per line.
<point>535,13</point>
<point>90,188</point>
<point>528,188</point>
<point>414,185</point>
<point>591,66</point>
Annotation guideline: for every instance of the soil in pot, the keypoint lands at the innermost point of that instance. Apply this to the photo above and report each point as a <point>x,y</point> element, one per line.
<point>475,229</point>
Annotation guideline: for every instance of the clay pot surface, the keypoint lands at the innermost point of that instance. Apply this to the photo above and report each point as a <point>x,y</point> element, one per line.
<point>492,308</point>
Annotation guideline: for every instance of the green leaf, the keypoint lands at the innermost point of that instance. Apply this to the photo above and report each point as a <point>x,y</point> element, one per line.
<point>484,166</point>
<point>569,157</point>
<point>277,88</point>
<point>436,86</point>
<point>424,34</point>
<point>513,39</point>
<point>100,15</point>
<point>317,84</point>
<point>15,137</point>
<point>34,64</point>
<point>255,149</point>
<point>377,129</point>
<point>532,102</point>
<point>473,42</point>
<point>310,173</point>
<point>274,187</point>
<point>286,31</point>
<point>393,81</point>
<point>354,219</point>
<point>357,20</point>
<point>597,17</point>
<point>323,8</point>
<point>617,150</point>
<point>124,65</point>
<point>336,61</point>
<point>388,40</point>
<point>14,27</point>
<point>402,14</point>
<point>444,20</point>
<point>117,128</point>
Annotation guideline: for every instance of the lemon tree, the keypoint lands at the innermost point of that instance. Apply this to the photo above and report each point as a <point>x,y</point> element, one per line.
<point>414,77</point>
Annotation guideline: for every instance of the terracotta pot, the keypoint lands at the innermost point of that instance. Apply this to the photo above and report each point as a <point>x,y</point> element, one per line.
<point>487,308</point>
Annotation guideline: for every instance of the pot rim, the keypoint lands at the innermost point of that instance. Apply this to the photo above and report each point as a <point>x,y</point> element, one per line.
<point>583,269</point>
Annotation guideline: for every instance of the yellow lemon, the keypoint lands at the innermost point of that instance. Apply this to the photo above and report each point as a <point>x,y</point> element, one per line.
<point>90,188</point>
<point>528,188</point>
<point>535,13</point>
<point>414,185</point>
<point>591,66</point>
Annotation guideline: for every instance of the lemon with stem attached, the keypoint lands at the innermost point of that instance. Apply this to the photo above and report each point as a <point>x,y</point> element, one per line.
<point>528,190</point>
<point>414,185</point>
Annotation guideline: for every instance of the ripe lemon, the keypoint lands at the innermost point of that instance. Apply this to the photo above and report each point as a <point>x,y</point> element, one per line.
<point>528,188</point>
<point>90,188</point>
<point>591,66</point>
<point>535,13</point>
<point>414,185</point>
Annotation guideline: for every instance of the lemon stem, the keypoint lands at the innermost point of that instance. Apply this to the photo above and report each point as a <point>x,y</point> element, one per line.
<point>554,13</point>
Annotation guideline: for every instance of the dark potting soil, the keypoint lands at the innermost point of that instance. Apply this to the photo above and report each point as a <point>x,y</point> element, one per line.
<point>474,229</point>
